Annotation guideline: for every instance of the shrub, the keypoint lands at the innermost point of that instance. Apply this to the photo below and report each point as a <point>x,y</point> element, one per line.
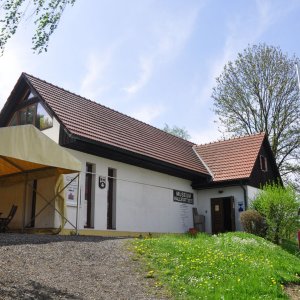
<point>253,222</point>
<point>279,206</point>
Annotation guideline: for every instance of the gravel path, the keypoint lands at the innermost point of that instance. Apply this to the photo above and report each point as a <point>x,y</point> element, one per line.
<point>68,267</point>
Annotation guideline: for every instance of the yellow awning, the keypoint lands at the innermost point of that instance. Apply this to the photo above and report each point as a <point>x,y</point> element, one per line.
<point>26,150</point>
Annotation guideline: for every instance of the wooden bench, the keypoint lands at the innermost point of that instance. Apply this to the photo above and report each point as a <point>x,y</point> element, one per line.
<point>199,220</point>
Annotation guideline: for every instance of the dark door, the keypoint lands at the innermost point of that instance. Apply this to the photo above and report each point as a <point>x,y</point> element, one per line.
<point>88,194</point>
<point>222,214</point>
<point>110,199</point>
<point>217,215</point>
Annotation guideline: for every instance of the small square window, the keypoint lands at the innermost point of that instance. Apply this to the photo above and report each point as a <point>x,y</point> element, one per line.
<point>263,163</point>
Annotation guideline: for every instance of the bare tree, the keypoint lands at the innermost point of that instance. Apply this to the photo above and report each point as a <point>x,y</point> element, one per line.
<point>46,13</point>
<point>258,92</point>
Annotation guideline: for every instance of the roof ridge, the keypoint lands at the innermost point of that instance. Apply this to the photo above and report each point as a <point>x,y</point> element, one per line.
<point>162,131</point>
<point>203,162</point>
<point>233,138</point>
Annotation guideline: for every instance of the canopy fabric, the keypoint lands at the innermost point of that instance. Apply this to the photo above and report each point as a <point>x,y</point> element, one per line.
<point>25,149</point>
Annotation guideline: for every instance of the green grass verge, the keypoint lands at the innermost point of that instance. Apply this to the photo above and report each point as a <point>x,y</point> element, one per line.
<point>227,266</point>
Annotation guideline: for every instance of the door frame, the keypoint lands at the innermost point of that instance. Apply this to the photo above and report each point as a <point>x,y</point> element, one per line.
<point>222,209</point>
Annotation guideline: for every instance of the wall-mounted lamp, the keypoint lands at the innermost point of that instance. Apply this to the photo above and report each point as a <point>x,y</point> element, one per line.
<point>220,191</point>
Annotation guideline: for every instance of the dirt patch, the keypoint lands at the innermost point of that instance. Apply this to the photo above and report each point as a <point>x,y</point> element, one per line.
<point>293,290</point>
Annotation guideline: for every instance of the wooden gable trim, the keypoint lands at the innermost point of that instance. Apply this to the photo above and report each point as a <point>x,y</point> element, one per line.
<point>41,99</point>
<point>14,101</point>
<point>259,177</point>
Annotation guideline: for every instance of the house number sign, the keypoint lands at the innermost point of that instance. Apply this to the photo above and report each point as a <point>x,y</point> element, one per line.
<point>183,197</point>
<point>102,182</point>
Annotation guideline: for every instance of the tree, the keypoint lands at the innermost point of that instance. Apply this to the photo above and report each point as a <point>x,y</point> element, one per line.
<point>177,131</point>
<point>47,16</point>
<point>258,92</point>
<point>279,206</point>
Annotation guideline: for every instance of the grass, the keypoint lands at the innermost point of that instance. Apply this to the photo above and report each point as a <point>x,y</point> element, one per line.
<point>227,266</point>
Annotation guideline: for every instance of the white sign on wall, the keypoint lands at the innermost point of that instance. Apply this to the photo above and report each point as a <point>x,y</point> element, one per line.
<point>72,188</point>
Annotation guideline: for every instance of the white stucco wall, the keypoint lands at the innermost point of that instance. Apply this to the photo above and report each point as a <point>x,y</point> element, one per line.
<point>53,132</point>
<point>204,203</point>
<point>45,193</point>
<point>252,192</point>
<point>144,198</point>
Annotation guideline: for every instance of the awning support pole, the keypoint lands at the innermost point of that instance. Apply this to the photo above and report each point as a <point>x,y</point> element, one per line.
<point>24,202</point>
<point>77,206</point>
<point>49,203</point>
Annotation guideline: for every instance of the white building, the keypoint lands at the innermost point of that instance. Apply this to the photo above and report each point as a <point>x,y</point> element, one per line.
<point>134,177</point>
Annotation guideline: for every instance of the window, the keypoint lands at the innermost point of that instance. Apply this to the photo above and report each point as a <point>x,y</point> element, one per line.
<point>43,120</point>
<point>89,202</point>
<point>263,163</point>
<point>34,114</point>
<point>30,96</point>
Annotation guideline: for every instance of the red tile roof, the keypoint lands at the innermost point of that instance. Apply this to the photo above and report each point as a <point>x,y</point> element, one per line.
<point>94,121</point>
<point>231,159</point>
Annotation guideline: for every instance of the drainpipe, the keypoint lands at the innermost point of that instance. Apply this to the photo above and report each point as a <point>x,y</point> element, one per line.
<point>245,196</point>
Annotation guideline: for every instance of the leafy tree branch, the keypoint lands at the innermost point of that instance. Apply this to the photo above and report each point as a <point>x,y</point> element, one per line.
<point>47,14</point>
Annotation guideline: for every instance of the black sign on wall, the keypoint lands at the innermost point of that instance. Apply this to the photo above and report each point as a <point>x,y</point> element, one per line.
<point>183,197</point>
<point>102,182</point>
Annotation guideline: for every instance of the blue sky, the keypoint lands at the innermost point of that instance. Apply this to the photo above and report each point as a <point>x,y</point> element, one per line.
<point>155,60</point>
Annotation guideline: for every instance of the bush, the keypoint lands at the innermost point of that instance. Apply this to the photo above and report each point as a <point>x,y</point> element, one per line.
<point>253,222</point>
<point>279,206</point>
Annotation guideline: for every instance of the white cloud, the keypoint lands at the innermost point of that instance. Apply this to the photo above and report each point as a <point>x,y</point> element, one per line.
<point>242,32</point>
<point>96,67</point>
<point>148,113</point>
<point>146,66</point>
<point>169,38</point>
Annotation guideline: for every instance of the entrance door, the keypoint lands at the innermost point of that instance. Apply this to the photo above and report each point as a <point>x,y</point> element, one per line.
<point>222,214</point>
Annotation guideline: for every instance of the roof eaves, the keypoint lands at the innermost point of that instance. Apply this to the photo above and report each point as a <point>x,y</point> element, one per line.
<point>139,155</point>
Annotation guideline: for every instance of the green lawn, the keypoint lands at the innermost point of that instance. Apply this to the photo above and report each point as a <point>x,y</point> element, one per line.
<point>227,266</point>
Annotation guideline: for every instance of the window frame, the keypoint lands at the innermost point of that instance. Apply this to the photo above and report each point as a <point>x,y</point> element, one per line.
<point>26,105</point>
<point>263,163</point>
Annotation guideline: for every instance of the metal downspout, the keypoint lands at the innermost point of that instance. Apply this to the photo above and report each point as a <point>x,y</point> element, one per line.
<point>245,196</point>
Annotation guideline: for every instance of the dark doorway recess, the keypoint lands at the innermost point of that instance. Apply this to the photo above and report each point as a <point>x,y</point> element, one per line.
<point>33,205</point>
<point>111,199</point>
<point>88,194</point>
<point>222,214</point>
